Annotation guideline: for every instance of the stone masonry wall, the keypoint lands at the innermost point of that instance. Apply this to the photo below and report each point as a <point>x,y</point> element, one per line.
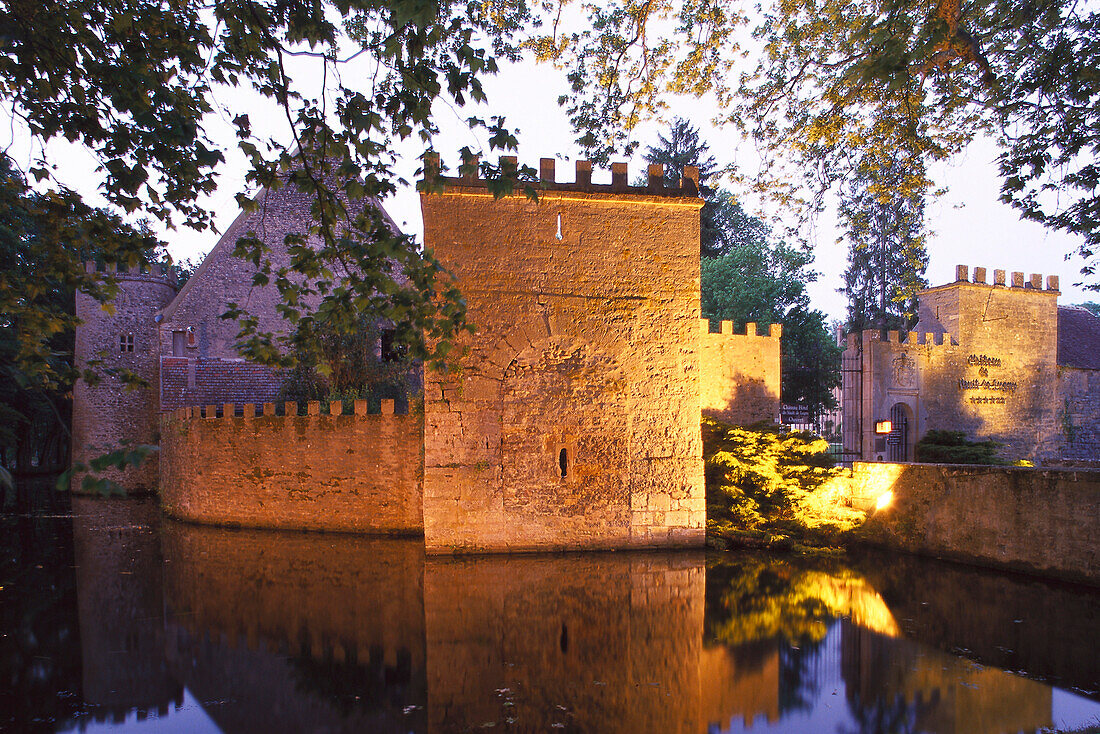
<point>573,419</point>
<point>330,472</point>
<point>222,278</point>
<point>109,412</point>
<point>188,381</point>
<point>739,374</point>
<point>1037,520</point>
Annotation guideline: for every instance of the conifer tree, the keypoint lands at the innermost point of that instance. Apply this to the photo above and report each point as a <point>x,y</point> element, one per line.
<point>684,147</point>
<point>887,257</point>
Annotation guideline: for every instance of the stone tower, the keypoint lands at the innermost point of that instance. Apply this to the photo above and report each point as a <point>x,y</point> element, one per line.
<point>109,412</point>
<point>572,420</point>
<point>984,362</point>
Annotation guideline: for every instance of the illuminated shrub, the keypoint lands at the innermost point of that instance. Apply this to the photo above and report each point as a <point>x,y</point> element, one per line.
<point>771,485</point>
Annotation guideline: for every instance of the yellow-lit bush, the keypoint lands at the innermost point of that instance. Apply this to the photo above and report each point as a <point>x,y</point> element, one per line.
<point>773,486</point>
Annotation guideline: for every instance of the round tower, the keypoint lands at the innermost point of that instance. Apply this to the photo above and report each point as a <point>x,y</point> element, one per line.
<point>110,413</point>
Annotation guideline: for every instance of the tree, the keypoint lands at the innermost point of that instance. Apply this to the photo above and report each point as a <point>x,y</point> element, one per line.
<point>137,83</point>
<point>45,239</point>
<point>682,147</point>
<point>834,80</point>
<point>887,257</point>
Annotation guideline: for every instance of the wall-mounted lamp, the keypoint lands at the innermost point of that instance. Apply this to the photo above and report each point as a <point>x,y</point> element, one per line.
<point>883,427</point>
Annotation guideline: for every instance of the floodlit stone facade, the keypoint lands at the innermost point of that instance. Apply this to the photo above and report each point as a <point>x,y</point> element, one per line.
<point>987,358</point>
<point>741,371</point>
<point>570,418</point>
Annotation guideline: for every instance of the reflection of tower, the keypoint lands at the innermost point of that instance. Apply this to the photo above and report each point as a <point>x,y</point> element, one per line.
<point>110,412</point>
<point>739,683</point>
<point>119,592</point>
<point>586,643</point>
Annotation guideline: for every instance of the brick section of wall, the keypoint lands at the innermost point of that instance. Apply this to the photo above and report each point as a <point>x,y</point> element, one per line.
<point>586,305</point>
<point>739,373</point>
<point>109,412</point>
<point>357,473</point>
<point>185,381</point>
<point>1035,520</point>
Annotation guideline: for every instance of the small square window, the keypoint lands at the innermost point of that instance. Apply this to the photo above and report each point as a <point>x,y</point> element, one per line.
<point>126,343</point>
<point>392,350</point>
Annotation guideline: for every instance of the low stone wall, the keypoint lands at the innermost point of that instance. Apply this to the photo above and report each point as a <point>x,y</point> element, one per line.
<point>357,473</point>
<point>1038,521</point>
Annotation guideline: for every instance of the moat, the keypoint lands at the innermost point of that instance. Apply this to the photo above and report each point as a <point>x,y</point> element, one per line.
<point>114,618</point>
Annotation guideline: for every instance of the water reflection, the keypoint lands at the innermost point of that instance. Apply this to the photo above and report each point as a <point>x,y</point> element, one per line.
<point>293,632</point>
<point>116,619</point>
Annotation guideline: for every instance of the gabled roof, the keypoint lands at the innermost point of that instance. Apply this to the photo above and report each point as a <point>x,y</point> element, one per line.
<point>288,206</point>
<point>1078,338</point>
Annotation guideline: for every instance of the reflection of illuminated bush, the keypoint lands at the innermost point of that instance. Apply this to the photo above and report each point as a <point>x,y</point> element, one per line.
<point>770,483</point>
<point>761,598</point>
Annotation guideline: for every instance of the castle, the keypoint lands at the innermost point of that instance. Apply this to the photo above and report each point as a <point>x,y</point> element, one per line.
<point>994,356</point>
<point>571,420</point>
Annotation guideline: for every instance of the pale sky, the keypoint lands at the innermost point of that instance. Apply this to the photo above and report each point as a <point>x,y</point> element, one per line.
<point>970,226</point>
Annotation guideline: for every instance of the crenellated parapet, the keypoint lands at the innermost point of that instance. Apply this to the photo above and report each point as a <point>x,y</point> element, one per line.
<point>470,176</point>
<point>775,331</point>
<point>156,273</point>
<point>288,409</point>
<point>1014,279</point>
<point>910,338</point>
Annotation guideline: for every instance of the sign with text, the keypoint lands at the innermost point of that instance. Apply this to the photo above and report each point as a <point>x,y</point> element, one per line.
<point>794,414</point>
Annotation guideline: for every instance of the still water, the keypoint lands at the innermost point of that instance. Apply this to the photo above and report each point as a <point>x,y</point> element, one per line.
<point>113,619</point>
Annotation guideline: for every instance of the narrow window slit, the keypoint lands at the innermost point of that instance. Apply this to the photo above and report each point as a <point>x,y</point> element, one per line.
<point>563,462</point>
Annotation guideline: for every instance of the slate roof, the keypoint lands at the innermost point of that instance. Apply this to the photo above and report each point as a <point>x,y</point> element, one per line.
<point>1078,338</point>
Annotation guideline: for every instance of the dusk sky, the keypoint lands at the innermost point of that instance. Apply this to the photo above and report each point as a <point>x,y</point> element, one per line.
<point>969,225</point>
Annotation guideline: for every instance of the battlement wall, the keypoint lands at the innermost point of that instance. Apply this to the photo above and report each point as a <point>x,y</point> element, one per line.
<point>471,169</point>
<point>338,471</point>
<point>1015,280</point>
<point>739,374</point>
